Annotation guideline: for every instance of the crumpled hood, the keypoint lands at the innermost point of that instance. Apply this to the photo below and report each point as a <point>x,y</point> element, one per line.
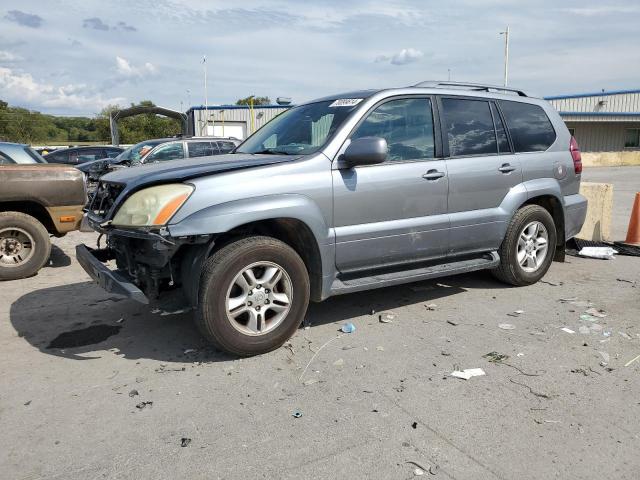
<point>180,170</point>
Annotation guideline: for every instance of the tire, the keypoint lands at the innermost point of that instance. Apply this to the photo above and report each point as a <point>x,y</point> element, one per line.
<point>511,270</point>
<point>264,321</point>
<point>17,231</point>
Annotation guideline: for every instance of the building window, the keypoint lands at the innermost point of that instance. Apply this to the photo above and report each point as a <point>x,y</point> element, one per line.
<point>632,138</point>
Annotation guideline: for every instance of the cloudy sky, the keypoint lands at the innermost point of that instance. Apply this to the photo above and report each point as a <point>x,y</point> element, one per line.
<point>77,56</point>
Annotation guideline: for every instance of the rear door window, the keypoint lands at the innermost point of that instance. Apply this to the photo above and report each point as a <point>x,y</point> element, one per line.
<point>226,147</point>
<point>469,127</point>
<point>168,151</point>
<point>503,142</point>
<point>200,149</point>
<point>530,128</point>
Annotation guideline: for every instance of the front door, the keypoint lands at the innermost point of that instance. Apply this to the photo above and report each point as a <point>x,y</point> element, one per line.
<point>394,212</point>
<point>482,169</point>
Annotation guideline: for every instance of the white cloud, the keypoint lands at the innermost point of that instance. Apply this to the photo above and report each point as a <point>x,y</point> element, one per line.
<point>125,69</point>
<point>8,56</point>
<point>404,56</point>
<point>21,88</point>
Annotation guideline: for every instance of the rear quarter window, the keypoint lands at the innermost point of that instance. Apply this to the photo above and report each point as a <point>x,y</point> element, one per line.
<point>530,128</point>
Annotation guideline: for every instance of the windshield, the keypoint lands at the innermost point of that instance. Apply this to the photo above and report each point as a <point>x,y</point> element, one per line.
<point>301,130</point>
<point>132,154</point>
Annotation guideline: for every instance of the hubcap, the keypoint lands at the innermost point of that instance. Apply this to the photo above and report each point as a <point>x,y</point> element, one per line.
<point>533,245</point>
<point>259,298</point>
<point>16,247</point>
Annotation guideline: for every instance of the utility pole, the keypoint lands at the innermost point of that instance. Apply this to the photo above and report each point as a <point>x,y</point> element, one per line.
<point>506,55</point>
<point>206,98</point>
<point>449,74</point>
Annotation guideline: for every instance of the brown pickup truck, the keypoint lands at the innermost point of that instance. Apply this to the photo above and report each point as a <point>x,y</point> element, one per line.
<point>36,200</point>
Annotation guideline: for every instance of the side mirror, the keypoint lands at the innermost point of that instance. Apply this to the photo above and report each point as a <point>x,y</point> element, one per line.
<point>365,151</point>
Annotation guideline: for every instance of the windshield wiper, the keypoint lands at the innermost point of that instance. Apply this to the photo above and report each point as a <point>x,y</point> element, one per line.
<point>270,151</point>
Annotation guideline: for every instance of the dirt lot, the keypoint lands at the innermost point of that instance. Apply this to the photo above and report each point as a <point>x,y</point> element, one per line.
<point>562,405</point>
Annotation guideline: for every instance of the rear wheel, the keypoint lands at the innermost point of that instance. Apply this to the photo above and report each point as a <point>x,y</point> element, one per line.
<point>253,295</point>
<point>24,245</point>
<point>528,247</point>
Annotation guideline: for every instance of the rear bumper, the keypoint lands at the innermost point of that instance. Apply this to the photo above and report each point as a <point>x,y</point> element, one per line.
<point>575,213</point>
<point>112,281</point>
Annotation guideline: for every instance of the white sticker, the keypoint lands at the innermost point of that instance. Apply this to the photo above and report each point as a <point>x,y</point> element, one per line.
<point>346,102</point>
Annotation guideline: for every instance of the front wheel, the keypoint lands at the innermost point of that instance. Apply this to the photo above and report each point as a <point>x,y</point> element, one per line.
<point>253,295</point>
<point>24,245</point>
<point>528,247</point>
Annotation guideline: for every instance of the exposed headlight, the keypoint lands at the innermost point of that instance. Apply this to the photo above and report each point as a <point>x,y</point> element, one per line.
<point>152,206</point>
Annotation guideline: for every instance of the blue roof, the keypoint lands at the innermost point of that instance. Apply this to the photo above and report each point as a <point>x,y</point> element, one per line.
<point>594,94</point>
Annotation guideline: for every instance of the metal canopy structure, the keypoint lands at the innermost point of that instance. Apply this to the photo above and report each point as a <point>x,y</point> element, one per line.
<point>140,109</point>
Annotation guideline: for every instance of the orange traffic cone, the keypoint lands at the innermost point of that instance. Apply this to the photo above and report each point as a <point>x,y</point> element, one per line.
<point>633,234</point>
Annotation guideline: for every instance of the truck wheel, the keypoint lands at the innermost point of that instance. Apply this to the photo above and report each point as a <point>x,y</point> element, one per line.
<point>528,247</point>
<point>24,245</point>
<point>253,295</point>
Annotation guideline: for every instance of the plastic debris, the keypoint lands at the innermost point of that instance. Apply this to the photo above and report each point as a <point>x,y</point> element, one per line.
<point>605,356</point>
<point>380,348</point>
<point>568,300</point>
<point>468,373</point>
<point>311,381</point>
<point>517,313</point>
<point>120,320</point>
<point>596,312</point>
<point>520,354</point>
<point>418,472</point>
<point>606,333</point>
<point>184,442</point>
<point>386,317</point>
<point>588,318</point>
<point>431,306</point>
<point>348,328</point>
<point>631,361</point>
<point>133,393</point>
<point>296,414</point>
<point>190,350</point>
<point>507,326</point>
<point>603,253</point>
<point>338,363</point>
<point>143,405</point>
<point>568,330</point>
<point>495,357</point>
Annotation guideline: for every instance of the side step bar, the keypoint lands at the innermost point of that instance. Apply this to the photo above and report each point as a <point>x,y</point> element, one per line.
<point>489,260</point>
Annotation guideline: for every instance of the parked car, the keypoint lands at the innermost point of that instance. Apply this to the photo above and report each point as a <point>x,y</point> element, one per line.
<point>190,148</point>
<point>80,155</point>
<point>346,193</point>
<point>37,199</point>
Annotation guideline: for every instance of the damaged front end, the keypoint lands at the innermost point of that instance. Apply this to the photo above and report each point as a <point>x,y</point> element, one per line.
<point>150,265</point>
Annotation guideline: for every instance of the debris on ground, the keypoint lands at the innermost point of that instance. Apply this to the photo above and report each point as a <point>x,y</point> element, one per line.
<point>531,390</point>
<point>553,284</point>
<point>602,253</point>
<point>311,381</point>
<point>386,317</point>
<point>120,320</point>
<point>517,313</point>
<point>296,414</point>
<point>133,393</point>
<point>595,312</point>
<point>289,347</point>
<point>568,330</point>
<point>568,300</point>
<point>348,328</point>
<point>605,357</point>
<point>588,318</point>
<point>468,373</point>
<point>190,350</point>
<point>338,363</point>
<point>317,352</point>
<point>184,442</point>
<point>420,469</point>
<point>380,348</point>
<point>418,472</point>
<point>164,313</point>
<point>495,357</point>
<point>27,403</point>
<point>452,322</point>
<point>580,370</point>
<point>632,282</point>
<point>414,425</point>
<point>433,469</point>
<point>631,361</point>
<point>431,306</point>
<point>507,326</point>
<point>584,330</point>
<point>143,405</point>
<point>625,335</point>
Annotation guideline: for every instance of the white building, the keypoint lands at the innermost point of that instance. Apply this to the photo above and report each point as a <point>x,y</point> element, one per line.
<point>237,121</point>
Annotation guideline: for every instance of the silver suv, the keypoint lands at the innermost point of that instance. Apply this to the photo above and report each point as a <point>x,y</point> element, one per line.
<point>349,192</point>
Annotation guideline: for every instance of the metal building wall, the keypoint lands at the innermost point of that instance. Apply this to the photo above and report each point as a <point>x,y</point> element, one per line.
<point>601,136</point>
<point>611,103</point>
<point>233,115</point>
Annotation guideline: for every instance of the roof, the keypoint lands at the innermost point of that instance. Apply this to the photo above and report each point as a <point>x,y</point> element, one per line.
<point>592,94</point>
<point>236,107</point>
<point>600,114</point>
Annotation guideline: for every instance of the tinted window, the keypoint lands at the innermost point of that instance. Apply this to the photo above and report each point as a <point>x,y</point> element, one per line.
<point>469,127</point>
<point>406,125</point>
<point>86,155</point>
<point>112,153</point>
<point>4,160</point>
<point>226,147</point>
<point>169,151</point>
<point>200,149</point>
<point>632,138</point>
<point>529,126</point>
<point>503,142</point>
<point>58,157</point>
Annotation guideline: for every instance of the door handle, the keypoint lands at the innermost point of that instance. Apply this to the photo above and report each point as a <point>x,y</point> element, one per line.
<point>506,168</point>
<point>433,175</point>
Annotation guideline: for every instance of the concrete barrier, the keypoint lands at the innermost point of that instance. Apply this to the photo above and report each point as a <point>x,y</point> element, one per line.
<point>610,159</point>
<point>597,225</point>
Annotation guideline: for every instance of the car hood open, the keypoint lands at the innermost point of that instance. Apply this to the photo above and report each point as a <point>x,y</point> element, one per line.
<point>180,170</point>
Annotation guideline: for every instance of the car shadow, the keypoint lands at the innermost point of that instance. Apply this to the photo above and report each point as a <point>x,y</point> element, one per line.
<point>57,258</point>
<point>80,321</point>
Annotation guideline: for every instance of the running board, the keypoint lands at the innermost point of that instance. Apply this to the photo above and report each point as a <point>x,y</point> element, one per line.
<point>489,260</point>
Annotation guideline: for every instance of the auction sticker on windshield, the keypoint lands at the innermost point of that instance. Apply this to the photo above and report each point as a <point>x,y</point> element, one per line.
<point>346,102</point>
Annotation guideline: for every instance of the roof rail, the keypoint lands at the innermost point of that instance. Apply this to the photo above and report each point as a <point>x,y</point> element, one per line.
<point>470,86</point>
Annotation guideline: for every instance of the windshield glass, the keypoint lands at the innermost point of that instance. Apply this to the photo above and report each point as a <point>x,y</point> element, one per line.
<point>301,130</point>
<point>132,154</point>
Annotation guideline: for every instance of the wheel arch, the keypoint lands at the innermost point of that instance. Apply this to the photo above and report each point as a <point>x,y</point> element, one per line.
<point>34,209</point>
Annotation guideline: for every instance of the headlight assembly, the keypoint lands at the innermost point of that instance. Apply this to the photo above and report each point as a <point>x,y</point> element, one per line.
<point>153,206</point>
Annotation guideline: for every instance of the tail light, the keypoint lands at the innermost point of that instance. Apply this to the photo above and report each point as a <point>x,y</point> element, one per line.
<point>575,155</point>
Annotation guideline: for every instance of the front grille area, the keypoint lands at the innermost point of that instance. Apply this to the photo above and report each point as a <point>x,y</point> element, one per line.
<point>104,198</point>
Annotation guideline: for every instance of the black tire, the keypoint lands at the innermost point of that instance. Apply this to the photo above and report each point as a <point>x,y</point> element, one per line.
<point>510,271</point>
<point>217,277</point>
<point>41,246</point>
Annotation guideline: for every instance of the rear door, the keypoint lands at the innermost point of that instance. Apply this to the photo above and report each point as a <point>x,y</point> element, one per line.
<point>482,169</point>
<point>201,149</point>
<point>394,212</point>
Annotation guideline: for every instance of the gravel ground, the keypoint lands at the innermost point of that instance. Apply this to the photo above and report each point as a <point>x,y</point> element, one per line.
<point>562,405</point>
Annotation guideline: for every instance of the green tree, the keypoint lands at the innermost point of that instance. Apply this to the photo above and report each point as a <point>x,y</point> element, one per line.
<point>256,101</point>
